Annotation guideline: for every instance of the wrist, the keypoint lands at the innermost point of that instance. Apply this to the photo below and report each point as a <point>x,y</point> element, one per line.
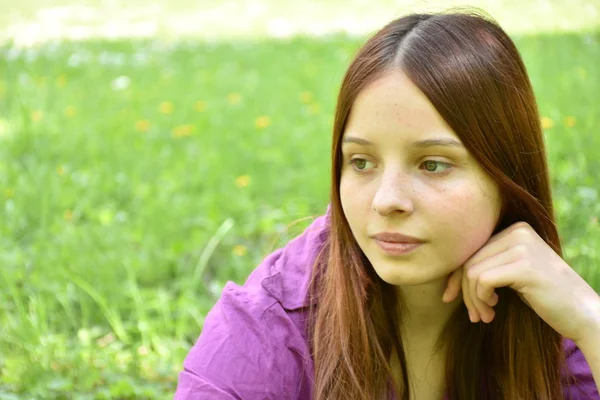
<point>591,333</point>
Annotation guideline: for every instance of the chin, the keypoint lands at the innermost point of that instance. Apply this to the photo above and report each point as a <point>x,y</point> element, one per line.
<point>404,281</point>
<point>406,273</point>
<point>395,276</point>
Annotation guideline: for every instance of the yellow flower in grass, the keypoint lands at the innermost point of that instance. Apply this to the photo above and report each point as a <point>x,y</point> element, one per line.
<point>143,350</point>
<point>306,97</point>
<point>60,170</point>
<point>240,250</point>
<point>142,125</point>
<point>262,122</point>
<point>234,98</point>
<point>243,181</point>
<point>61,81</point>
<point>106,340</point>
<point>9,193</point>
<point>36,116</point>
<point>547,123</point>
<point>200,106</point>
<point>68,215</point>
<point>314,108</point>
<point>570,121</point>
<point>69,111</point>
<point>166,107</point>
<point>182,131</point>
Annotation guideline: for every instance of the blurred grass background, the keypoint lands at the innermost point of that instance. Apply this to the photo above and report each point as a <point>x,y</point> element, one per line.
<point>141,171</point>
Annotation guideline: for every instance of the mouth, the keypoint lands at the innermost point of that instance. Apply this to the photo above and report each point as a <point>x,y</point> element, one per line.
<point>396,237</point>
<point>396,243</point>
<point>398,248</point>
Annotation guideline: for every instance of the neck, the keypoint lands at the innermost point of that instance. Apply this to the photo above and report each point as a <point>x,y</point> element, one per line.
<point>424,314</point>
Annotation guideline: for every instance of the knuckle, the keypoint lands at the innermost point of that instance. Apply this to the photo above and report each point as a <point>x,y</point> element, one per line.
<point>520,251</point>
<point>483,295</point>
<point>522,225</point>
<point>523,230</point>
<point>483,280</point>
<point>525,264</point>
<point>472,274</point>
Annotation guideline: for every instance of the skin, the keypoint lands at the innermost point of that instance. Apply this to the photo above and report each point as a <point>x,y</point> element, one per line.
<point>437,193</point>
<point>441,195</point>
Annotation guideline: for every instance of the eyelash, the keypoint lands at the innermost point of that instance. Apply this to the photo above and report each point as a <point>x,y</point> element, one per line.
<point>353,161</point>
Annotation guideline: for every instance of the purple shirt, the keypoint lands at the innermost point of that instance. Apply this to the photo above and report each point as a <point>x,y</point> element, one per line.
<point>253,343</point>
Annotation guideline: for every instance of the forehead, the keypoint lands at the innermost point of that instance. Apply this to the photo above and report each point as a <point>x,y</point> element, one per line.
<point>393,105</point>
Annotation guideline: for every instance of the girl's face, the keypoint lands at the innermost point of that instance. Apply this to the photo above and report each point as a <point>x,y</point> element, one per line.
<point>405,171</point>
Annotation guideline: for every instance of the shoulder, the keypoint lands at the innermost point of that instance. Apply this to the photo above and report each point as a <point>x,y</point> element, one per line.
<point>253,343</point>
<point>248,349</point>
<point>578,381</point>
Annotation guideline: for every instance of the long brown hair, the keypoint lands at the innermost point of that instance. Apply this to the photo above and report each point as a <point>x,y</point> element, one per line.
<point>472,73</point>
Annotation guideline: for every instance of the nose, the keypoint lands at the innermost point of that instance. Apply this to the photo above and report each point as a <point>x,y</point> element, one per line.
<point>394,194</point>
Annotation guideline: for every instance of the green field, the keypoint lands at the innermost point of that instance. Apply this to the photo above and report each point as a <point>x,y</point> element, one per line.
<point>138,176</point>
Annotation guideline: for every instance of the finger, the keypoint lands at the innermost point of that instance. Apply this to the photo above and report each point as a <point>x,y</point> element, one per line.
<point>500,242</point>
<point>508,231</point>
<point>473,314</point>
<point>492,300</point>
<point>514,275</point>
<point>489,250</point>
<point>482,294</point>
<point>453,286</point>
<point>486,313</point>
<point>486,293</point>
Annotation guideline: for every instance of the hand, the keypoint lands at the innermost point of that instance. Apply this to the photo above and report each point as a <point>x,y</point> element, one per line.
<point>520,259</point>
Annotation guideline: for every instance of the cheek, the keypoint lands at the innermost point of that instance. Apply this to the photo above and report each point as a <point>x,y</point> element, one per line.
<point>344,198</point>
<point>473,240</point>
<point>470,222</point>
<point>356,201</point>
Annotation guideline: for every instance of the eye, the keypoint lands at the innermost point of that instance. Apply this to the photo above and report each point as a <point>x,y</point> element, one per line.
<point>436,167</point>
<point>360,164</point>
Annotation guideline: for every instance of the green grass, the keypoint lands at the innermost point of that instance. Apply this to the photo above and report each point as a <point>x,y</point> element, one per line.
<point>126,207</point>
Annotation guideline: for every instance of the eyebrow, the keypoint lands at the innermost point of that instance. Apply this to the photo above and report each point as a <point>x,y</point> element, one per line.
<point>419,144</point>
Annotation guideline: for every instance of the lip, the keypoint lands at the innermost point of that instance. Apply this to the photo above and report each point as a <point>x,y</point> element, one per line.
<point>394,237</point>
<point>397,244</point>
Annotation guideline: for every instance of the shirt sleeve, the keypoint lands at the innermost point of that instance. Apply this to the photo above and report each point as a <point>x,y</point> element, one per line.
<point>240,353</point>
<point>579,384</point>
